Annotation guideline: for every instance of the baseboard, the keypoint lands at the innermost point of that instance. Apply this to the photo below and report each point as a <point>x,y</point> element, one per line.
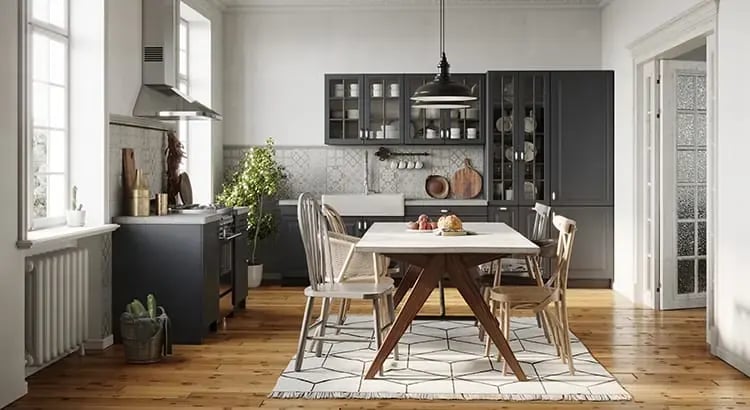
<point>97,345</point>
<point>732,359</point>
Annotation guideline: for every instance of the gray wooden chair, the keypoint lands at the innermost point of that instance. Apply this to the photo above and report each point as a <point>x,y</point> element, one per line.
<point>329,255</point>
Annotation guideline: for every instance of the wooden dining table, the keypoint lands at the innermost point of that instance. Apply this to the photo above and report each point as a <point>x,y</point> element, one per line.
<point>452,256</point>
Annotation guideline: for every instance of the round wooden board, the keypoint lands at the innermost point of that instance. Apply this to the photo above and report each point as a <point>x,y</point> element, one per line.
<point>466,182</point>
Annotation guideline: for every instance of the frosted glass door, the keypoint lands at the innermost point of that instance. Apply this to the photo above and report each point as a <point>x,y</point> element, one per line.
<point>683,184</point>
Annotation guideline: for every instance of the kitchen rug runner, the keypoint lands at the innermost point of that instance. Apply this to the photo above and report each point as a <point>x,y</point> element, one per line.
<point>445,360</point>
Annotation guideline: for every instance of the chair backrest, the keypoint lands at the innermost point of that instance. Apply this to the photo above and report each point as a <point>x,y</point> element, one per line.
<point>567,228</point>
<point>335,222</point>
<point>314,232</point>
<point>540,221</point>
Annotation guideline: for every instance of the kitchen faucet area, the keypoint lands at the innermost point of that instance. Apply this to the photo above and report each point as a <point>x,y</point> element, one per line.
<point>328,204</point>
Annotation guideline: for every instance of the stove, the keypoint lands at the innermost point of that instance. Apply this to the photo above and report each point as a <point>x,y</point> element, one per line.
<point>201,209</point>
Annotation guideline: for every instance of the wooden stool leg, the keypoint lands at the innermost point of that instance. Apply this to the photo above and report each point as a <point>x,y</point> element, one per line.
<point>303,334</point>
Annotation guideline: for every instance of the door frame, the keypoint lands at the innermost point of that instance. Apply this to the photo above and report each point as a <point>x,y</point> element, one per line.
<point>675,36</point>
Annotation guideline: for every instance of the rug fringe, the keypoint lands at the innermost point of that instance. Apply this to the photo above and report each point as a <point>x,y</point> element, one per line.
<point>446,396</point>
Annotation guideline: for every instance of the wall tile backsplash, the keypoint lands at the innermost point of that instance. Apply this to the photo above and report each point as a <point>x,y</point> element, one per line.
<point>332,170</point>
<point>148,146</point>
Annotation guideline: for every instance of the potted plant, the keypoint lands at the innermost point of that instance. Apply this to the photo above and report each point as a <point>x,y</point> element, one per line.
<point>258,177</point>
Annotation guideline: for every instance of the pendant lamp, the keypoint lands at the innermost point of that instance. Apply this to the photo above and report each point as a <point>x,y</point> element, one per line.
<point>442,89</point>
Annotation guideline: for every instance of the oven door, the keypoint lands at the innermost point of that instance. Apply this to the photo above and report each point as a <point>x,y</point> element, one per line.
<point>226,275</point>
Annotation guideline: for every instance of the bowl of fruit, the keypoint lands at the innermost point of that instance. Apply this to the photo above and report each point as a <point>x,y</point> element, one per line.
<point>423,224</point>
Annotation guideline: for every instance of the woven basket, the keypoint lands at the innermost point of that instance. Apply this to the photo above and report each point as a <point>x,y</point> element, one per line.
<point>142,338</point>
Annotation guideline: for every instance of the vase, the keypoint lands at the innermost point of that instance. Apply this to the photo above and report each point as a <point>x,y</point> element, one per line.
<point>254,275</point>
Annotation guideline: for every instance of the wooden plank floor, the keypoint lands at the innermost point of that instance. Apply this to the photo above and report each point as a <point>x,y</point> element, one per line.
<point>660,357</point>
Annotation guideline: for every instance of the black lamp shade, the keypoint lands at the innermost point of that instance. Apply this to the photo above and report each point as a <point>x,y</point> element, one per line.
<point>442,88</point>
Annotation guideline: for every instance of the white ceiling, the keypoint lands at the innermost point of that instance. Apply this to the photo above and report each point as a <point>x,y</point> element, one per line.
<point>411,4</point>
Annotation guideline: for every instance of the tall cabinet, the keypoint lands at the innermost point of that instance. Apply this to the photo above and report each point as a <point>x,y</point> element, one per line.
<point>550,140</point>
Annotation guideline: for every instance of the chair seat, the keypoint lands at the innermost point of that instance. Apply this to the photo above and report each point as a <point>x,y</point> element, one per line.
<point>351,290</point>
<point>522,295</point>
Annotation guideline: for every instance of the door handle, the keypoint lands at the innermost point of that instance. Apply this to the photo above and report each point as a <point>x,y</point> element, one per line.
<point>361,133</point>
<point>229,238</point>
<point>522,155</point>
<point>554,195</point>
<point>503,209</point>
<point>367,134</point>
<point>515,155</point>
<point>444,211</point>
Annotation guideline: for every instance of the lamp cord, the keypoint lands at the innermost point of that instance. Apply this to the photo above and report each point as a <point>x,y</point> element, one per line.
<point>442,27</point>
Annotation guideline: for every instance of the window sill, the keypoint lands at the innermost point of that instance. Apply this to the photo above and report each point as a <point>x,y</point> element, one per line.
<point>62,233</point>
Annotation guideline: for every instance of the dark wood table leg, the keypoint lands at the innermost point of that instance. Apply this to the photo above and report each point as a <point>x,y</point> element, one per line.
<point>441,289</point>
<point>469,290</point>
<point>407,281</point>
<point>424,286</point>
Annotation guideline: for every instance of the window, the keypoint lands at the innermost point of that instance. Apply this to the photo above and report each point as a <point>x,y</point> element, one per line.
<point>48,99</point>
<point>183,82</point>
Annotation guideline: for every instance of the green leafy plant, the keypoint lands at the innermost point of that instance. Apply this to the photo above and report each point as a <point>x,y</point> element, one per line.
<point>258,176</point>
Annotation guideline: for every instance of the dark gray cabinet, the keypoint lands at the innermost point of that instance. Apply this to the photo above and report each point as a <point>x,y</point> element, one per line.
<point>593,249</point>
<point>179,264</point>
<point>518,143</point>
<point>582,164</point>
<point>377,109</point>
<point>450,127</point>
<point>288,249</point>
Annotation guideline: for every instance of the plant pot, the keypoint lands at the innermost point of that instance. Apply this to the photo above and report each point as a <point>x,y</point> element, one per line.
<point>254,275</point>
<point>75,218</point>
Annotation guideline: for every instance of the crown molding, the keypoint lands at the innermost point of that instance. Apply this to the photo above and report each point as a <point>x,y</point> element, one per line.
<point>300,5</point>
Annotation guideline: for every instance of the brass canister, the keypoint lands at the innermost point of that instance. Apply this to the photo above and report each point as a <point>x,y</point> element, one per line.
<point>139,203</point>
<point>162,207</point>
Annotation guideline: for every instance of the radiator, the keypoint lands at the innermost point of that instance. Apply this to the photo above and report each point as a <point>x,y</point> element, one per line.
<point>57,305</point>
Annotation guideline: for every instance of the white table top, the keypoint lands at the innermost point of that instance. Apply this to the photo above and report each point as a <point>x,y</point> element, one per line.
<point>488,237</point>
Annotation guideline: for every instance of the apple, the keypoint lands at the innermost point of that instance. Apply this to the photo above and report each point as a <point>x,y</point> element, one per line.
<point>425,226</point>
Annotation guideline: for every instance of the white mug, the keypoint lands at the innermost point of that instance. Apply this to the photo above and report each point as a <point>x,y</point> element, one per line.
<point>402,164</point>
<point>395,90</point>
<point>419,164</point>
<point>410,165</point>
<point>394,164</point>
<point>354,90</point>
<point>455,133</point>
<point>508,194</point>
<point>431,134</point>
<point>471,133</point>
<point>338,90</point>
<point>377,90</point>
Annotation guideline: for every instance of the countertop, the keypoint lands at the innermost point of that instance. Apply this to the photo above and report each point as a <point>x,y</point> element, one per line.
<point>171,219</point>
<point>418,202</point>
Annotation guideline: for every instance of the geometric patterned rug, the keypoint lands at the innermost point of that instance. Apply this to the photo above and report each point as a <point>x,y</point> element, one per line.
<point>445,360</point>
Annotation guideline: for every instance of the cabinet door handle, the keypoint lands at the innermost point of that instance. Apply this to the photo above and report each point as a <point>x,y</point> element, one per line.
<point>522,155</point>
<point>554,195</point>
<point>503,209</point>
<point>361,133</point>
<point>444,211</point>
<point>515,155</point>
<point>367,134</point>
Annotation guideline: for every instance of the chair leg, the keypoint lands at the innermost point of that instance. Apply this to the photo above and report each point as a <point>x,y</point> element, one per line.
<point>506,331</point>
<point>487,341</point>
<point>303,334</point>
<point>324,321</point>
<point>566,336</point>
<point>378,326</point>
<point>343,310</point>
<point>554,326</point>
<point>313,344</point>
<point>391,319</point>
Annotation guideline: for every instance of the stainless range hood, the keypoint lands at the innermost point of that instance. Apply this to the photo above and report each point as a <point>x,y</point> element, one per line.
<point>159,97</point>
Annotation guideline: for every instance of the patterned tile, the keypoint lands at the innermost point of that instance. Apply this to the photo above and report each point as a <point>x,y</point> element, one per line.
<point>440,361</point>
<point>339,169</point>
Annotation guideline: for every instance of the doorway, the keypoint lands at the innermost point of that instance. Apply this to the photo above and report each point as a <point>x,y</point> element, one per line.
<point>675,199</point>
<point>675,103</point>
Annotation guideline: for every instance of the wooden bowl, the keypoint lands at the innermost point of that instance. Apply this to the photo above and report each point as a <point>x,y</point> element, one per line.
<point>437,186</point>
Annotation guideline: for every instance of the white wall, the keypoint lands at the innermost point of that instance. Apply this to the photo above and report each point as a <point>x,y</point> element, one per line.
<point>732,311</point>
<point>624,21</point>
<point>12,374</point>
<point>124,73</point>
<point>275,59</point>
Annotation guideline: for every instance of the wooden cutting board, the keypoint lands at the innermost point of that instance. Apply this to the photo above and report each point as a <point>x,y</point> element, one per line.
<point>466,182</point>
<point>128,171</point>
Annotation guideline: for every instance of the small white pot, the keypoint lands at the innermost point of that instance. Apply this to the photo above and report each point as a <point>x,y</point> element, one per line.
<point>254,275</point>
<point>75,218</point>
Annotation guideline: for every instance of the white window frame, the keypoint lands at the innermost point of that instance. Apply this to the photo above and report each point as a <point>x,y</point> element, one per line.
<point>183,128</point>
<point>38,27</point>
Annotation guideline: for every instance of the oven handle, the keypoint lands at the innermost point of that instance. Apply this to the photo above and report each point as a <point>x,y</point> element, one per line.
<point>229,238</point>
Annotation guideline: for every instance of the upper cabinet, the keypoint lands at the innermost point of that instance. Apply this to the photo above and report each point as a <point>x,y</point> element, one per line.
<point>582,138</point>
<point>377,109</point>
<point>519,138</point>
<point>457,126</point>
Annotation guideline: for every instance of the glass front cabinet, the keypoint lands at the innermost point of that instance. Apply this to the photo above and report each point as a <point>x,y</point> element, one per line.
<point>377,109</point>
<point>518,137</point>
